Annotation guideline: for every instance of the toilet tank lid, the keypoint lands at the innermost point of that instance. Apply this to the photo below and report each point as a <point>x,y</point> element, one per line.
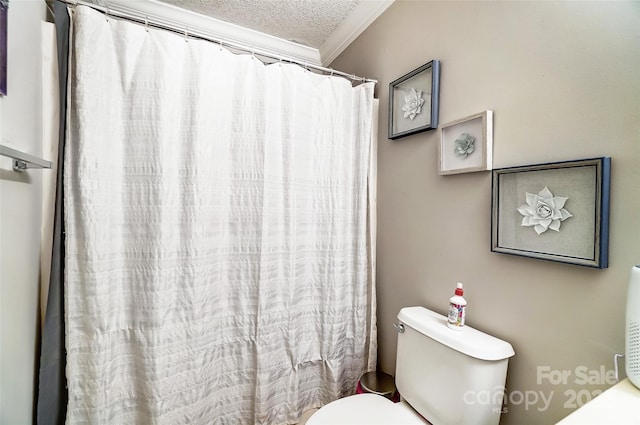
<point>468,340</point>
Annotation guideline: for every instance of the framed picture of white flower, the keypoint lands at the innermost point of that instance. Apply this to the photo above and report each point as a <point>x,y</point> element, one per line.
<point>557,211</point>
<point>466,145</point>
<point>413,101</point>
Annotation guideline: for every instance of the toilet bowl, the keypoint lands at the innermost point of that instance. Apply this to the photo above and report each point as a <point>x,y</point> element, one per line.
<point>440,372</point>
<point>366,409</point>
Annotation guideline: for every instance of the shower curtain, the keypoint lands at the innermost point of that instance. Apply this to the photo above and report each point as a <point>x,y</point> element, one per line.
<point>216,212</point>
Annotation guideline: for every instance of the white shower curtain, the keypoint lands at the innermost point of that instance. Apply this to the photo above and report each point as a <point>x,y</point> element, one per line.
<point>217,267</point>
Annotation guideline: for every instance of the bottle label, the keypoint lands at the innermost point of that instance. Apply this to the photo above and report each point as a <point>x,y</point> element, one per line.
<point>456,314</point>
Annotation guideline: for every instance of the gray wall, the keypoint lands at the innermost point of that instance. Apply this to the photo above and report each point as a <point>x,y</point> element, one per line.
<point>20,214</point>
<point>562,80</point>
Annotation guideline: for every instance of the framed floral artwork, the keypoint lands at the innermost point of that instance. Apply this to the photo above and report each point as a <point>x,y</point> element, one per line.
<point>413,101</point>
<point>557,211</point>
<point>466,145</point>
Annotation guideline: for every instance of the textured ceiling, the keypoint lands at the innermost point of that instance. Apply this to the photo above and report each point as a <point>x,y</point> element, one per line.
<point>307,22</point>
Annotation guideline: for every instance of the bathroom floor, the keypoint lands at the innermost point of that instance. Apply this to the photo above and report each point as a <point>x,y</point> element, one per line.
<point>306,416</point>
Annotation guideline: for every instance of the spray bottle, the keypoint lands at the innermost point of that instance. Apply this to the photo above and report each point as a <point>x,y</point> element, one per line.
<point>457,306</point>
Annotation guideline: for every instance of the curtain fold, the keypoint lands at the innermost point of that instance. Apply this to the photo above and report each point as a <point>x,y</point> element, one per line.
<point>372,229</point>
<point>52,384</point>
<point>217,256</point>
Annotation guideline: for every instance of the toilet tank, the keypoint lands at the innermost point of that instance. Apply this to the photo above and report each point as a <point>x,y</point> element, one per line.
<point>450,376</point>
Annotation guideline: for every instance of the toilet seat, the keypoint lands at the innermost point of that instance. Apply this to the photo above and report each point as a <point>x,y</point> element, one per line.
<point>366,409</point>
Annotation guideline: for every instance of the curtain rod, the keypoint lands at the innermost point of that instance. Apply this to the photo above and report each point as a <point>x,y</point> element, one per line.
<point>176,28</point>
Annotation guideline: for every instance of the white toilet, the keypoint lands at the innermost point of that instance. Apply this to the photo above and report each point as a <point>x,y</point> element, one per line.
<point>445,377</point>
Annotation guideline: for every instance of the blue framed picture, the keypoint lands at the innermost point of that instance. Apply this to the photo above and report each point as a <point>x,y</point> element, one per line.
<point>414,101</point>
<point>557,211</point>
<point>4,9</point>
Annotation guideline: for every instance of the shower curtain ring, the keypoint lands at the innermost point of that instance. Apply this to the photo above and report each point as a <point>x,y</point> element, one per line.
<point>106,14</point>
<point>146,23</point>
<point>186,34</point>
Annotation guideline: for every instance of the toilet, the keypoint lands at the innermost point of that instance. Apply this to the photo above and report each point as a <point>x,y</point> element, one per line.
<point>445,377</point>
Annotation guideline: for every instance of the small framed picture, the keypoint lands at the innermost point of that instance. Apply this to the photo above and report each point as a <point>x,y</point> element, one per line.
<point>466,145</point>
<point>557,211</point>
<point>413,101</point>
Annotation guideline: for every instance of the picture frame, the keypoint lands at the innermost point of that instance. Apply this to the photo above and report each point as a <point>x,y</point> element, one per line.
<point>4,10</point>
<point>556,211</point>
<point>414,101</point>
<point>466,145</point>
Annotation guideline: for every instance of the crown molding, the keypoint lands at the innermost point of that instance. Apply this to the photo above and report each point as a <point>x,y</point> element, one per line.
<point>353,25</point>
<point>197,24</point>
<point>194,23</point>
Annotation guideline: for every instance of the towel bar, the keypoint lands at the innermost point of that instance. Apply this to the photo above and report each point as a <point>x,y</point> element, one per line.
<point>23,161</point>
